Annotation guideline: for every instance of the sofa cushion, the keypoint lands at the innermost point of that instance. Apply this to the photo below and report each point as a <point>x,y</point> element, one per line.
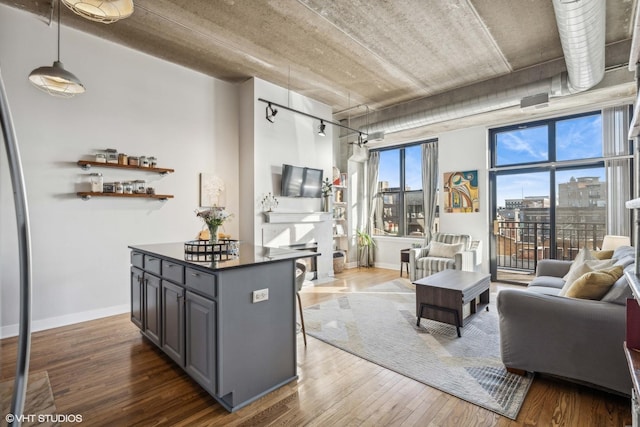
<point>595,284</point>
<point>602,254</point>
<point>583,255</point>
<point>547,282</point>
<point>620,290</point>
<point>445,250</point>
<point>579,270</point>
<point>430,263</point>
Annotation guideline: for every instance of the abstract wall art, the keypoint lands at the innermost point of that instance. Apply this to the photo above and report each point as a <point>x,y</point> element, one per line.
<point>461,192</point>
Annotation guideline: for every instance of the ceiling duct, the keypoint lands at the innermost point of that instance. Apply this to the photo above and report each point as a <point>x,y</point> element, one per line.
<point>581,25</point>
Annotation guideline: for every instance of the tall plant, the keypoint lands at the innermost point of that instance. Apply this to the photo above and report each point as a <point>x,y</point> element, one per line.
<point>365,243</point>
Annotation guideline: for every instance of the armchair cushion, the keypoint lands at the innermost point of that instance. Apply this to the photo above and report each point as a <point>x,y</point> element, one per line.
<point>445,250</point>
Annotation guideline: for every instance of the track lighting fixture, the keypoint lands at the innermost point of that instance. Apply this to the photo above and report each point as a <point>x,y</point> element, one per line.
<point>273,113</point>
<point>321,129</point>
<point>55,80</point>
<point>361,139</point>
<point>105,11</point>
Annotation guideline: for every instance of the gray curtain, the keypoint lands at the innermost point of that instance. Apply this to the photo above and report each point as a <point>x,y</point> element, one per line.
<point>374,211</point>
<point>429,186</point>
<point>615,141</point>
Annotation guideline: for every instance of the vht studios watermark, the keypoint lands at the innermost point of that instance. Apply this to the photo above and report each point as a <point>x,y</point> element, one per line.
<point>44,418</point>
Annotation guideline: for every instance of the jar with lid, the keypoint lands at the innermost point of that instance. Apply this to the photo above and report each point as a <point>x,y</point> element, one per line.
<point>144,162</point>
<point>119,187</point>
<point>96,182</point>
<point>123,159</point>
<point>140,186</point>
<point>112,155</point>
<point>127,187</point>
<point>101,158</point>
<point>153,162</point>
<point>134,161</point>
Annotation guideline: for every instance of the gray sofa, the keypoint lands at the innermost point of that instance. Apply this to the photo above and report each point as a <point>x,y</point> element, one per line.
<point>577,339</point>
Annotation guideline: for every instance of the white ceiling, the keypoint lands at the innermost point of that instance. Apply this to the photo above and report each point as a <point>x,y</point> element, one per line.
<point>385,57</point>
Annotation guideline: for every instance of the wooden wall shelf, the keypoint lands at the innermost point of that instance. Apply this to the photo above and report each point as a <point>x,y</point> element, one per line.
<point>86,165</point>
<point>86,195</point>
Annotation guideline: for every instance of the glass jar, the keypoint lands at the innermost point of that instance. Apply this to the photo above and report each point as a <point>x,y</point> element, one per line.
<point>112,155</point>
<point>101,158</point>
<point>144,162</point>
<point>127,187</point>
<point>96,182</point>
<point>123,159</point>
<point>153,162</point>
<point>134,161</point>
<point>140,186</point>
<point>119,187</point>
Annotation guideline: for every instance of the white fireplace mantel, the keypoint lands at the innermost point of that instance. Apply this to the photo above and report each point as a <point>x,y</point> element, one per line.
<point>296,217</point>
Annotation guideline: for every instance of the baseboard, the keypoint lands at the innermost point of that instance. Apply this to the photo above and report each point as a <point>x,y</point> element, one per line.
<point>69,319</point>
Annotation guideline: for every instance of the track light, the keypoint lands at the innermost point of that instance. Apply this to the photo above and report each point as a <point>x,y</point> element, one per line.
<point>361,140</point>
<point>55,80</point>
<point>273,113</point>
<point>322,126</point>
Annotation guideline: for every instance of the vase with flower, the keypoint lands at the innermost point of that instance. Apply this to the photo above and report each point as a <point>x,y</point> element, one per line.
<point>327,188</point>
<point>214,217</point>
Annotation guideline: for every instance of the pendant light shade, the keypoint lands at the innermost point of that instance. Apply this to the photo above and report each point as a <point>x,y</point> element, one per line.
<point>105,11</point>
<point>55,80</point>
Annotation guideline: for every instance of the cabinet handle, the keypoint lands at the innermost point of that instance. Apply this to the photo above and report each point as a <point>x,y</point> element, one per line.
<point>170,265</point>
<point>153,259</point>
<point>195,274</point>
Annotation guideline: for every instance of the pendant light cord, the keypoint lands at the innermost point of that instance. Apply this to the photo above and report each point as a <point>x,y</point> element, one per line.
<point>58,30</point>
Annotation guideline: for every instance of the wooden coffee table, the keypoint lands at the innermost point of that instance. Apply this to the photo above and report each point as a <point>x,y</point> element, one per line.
<point>441,296</point>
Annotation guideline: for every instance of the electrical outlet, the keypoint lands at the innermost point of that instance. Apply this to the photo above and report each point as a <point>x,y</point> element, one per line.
<point>260,295</point>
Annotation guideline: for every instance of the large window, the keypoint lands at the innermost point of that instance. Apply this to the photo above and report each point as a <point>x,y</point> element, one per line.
<point>400,199</point>
<point>550,189</point>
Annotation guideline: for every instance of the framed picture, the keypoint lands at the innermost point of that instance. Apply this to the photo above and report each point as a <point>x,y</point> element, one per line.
<point>211,190</point>
<point>461,192</point>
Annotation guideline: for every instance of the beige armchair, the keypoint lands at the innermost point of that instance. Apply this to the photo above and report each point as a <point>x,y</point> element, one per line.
<point>453,251</point>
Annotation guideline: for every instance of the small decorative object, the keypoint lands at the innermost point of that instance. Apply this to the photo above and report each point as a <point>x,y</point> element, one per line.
<point>96,182</point>
<point>144,162</point>
<point>151,190</point>
<point>134,161</point>
<point>204,250</point>
<point>123,159</point>
<point>214,217</point>
<point>112,155</point>
<point>269,202</point>
<point>326,192</point>
<point>101,158</point>
<point>119,187</point>
<point>153,162</point>
<point>139,186</point>
<point>109,187</point>
<point>127,187</point>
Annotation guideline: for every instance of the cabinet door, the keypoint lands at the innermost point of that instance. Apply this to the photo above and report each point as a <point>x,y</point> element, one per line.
<point>152,308</point>
<point>173,321</point>
<point>201,340</point>
<point>137,293</point>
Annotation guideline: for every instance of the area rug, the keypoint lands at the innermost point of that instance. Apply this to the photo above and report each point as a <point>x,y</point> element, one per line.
<point>39,400</point>
<point>379,324</point>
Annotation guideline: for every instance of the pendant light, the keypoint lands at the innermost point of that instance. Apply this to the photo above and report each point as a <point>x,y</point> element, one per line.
<point>105,11</point>
<point>55,80</point>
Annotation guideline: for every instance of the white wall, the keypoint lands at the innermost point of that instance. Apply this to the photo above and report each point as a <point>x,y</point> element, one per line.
<point>293,139</point>
<point>135,103</point>
<point>459,150</point>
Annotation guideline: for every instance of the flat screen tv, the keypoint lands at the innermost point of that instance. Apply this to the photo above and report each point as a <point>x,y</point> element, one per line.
<point>301,182</point>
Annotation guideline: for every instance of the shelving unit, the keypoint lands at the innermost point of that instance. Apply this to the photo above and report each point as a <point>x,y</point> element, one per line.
<point>87,195</point>
<point>86,165</point>
<point>340,225</point>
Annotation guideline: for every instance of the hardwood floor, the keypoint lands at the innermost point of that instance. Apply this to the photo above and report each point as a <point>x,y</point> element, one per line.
<point>107,372</point>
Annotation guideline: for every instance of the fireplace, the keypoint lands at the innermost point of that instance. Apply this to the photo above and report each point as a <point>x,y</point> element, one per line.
<point>310,262</point>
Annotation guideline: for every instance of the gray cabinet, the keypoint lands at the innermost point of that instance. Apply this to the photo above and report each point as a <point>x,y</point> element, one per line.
<point>137,295</point>
<point>172,321</point>
<point>152,310</point>
<point>201,340</point>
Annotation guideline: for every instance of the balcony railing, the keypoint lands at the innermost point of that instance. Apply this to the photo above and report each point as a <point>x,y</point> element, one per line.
<point>522,244</point>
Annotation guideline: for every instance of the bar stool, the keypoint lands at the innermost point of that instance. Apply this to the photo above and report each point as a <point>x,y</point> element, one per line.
<point>301,271</point>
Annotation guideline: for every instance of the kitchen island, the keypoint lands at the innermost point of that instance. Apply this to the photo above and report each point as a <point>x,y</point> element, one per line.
<point>230,324</point>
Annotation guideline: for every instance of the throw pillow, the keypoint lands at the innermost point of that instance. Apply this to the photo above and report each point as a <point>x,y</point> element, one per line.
<point>582,269</point>
<point>595,284</point>
<point>444,250</point>
<point>602,254</point>
<point>583,255</point>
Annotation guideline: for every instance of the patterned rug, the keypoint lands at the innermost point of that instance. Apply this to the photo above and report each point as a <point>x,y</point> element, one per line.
<point>379,324</point>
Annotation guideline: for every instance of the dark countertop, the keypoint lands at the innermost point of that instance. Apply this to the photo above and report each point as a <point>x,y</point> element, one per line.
<point>248,255</point>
